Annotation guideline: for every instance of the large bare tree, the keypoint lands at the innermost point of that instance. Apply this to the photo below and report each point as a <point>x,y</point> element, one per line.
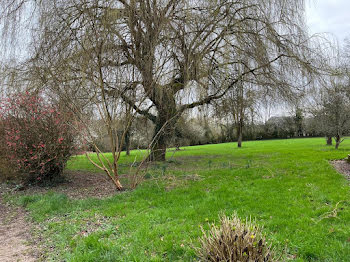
<point>180,51</point>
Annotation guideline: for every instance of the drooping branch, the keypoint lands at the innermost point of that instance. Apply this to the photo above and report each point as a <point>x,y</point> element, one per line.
<point>223,92</point>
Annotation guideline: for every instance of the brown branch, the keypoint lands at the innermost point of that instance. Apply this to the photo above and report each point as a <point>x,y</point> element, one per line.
<point>210,98</point>
<point>145,113</point>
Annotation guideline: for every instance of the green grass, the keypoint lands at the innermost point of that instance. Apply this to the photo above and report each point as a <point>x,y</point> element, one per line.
<point>287,185</point>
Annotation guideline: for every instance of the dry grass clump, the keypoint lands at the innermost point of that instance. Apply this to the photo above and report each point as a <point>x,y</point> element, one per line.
<point>234,241</point>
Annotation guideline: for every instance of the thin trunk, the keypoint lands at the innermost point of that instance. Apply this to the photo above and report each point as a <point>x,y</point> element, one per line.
<point>239,141</point>
<point>103,167</point>
<point>127,142</point>
<point>337,145</point>
<point>329,141</point>
<point>240,133</point>
<point>118,185</point>
<point>337,141</point>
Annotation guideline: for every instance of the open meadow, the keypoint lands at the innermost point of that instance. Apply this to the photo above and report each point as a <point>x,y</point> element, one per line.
<point>288,186</point>
<point>169,130</point>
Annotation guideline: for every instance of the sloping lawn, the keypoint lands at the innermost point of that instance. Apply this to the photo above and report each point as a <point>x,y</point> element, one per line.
<point>287,185</point>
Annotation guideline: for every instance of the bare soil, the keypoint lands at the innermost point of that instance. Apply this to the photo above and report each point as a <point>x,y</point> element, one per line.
<point>79,185</point>
<point>343,167</point>
<point>15,235</point>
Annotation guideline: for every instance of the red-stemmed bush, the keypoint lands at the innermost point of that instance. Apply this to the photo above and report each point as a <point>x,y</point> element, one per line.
<point>37,138</point>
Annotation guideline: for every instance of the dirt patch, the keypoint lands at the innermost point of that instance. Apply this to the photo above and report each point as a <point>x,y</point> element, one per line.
<point>342,167</point>
<point>15,236</point>
<point>79,185</point>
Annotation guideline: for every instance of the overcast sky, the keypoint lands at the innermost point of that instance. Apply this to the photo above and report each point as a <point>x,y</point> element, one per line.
<point>329,16</point>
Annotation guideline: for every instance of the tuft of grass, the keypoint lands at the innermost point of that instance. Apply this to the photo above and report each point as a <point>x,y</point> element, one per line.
<point>287,185</point>
<point>234,240</point>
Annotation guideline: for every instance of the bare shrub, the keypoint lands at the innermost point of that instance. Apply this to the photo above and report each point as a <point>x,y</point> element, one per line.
<point>234,241</point>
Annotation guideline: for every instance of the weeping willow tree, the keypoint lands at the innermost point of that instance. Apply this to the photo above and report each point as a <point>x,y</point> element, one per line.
<point>182,53</point>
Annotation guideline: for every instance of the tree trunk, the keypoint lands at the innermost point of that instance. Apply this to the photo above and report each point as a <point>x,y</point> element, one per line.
<point>337,141</point>
<point>117,184</point>
<point>160,138</point>
<point>127,142</point>
<point>167,116</point>
<point>158,150</point>
<point>337,145</point>
<point>239,133</point>
<point>239,141</point>
<point>329,141</point>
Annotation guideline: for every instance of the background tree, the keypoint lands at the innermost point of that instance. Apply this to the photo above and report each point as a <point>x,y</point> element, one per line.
<point>236,107</point>
<point>299,122</point>
<point>331,108</point>
<point>334,117</point>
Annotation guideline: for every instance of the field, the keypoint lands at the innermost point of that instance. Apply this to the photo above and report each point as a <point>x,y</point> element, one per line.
<point>288,186</point>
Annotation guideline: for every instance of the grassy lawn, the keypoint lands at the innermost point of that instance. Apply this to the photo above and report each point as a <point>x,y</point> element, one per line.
<point>287,185</point>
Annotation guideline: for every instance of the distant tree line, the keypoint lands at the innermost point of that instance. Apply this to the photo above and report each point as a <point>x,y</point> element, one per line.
<point>197,130</point>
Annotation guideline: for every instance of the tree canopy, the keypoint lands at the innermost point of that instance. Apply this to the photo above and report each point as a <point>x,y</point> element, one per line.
<point>164,57</point>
